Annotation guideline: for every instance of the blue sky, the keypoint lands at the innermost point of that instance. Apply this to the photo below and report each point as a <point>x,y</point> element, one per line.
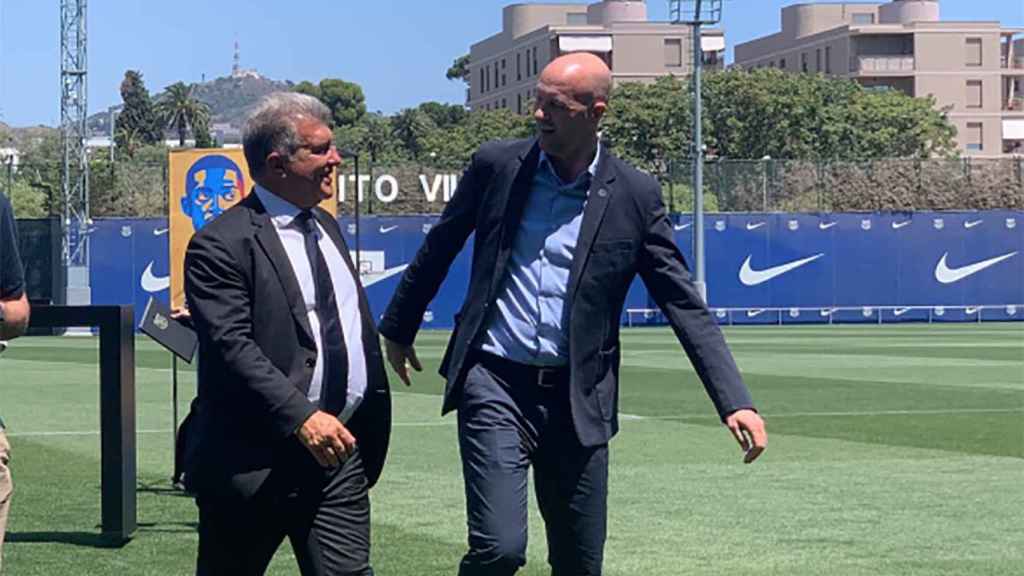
<point>398,50</point>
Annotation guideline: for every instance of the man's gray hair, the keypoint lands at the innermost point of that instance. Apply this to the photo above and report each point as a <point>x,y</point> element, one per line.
<point>271,127</point>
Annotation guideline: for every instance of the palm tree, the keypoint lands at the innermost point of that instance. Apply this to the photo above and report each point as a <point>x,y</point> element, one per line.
<point>180,110</point>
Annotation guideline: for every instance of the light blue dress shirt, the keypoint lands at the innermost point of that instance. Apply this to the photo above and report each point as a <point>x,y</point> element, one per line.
<point>530,322</point>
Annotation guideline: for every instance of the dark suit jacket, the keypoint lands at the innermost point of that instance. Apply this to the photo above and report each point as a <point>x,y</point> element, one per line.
<point>624,232</point>
<point>257,354</point>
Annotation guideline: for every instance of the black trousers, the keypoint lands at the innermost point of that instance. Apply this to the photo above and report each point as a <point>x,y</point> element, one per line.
<point>326,517</point>
<point>507,421</point>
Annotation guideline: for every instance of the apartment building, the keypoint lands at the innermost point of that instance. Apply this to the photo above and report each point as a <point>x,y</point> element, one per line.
<point>975,68</point>
<point>504,67</point>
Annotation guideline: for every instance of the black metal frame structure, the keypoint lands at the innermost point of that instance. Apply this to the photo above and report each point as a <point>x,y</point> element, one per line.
<point>117,408</point>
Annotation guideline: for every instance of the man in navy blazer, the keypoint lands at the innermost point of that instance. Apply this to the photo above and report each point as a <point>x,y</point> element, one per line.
<point>562,227</point>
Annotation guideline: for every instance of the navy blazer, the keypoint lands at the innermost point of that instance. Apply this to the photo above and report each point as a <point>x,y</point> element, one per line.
<point>257,354</point>
<point>625,231</point>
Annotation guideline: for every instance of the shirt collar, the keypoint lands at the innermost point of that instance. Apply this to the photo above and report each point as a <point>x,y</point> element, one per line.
<point>282,212</point>
<point>584,178</point>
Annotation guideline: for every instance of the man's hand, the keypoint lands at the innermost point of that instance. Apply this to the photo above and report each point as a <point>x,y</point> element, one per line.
<point>327,439</point>
<point>401,357</point>
<point>748,429</point>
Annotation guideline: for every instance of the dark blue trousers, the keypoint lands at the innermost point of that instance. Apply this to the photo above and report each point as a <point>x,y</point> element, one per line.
<point>508,421</point>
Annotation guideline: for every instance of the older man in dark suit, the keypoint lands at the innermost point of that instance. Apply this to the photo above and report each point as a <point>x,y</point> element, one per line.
<point>562,227</point>
<point>295,408</point>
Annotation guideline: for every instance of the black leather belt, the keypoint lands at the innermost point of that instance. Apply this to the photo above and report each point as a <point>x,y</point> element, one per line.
<point>516,372</point>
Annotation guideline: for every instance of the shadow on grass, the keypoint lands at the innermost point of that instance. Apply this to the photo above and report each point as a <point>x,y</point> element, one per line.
<point>88,539</point>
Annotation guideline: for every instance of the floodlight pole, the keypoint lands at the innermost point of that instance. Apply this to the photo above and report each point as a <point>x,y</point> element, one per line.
<point>696,13</point>
<point>698,160</point>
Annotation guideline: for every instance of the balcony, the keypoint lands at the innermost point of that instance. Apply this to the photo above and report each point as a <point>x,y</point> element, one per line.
<point>1015,104</point>
<point>882,64</point>
<point>1016,64</point>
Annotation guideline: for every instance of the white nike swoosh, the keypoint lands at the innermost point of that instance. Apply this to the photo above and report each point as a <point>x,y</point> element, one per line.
<point>160,231</point>
<point>972,224</point>
<point>386,229</point>
<point>683,226</point>
<point>824,226</point>
<point>970,310</point>
<point>372,278</point>
<point>898,225</point>
<point>828,311</point>
<point>946,275</point>
<point>900,311</point>
<point>151,283</point>
<point>751,277</point>
<point>754,313</point>
<point>755,226</point>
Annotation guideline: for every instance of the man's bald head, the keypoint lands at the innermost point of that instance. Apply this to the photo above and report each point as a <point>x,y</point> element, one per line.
<point>582,74</point>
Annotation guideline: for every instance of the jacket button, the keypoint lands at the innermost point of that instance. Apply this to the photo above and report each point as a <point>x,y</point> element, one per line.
<point>310,363</point>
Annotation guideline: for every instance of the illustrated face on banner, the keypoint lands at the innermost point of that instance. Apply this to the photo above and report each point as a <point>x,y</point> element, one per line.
<point>212,185</point>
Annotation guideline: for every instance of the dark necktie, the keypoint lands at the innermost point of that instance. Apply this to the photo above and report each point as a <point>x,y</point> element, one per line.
<point>334,387</point>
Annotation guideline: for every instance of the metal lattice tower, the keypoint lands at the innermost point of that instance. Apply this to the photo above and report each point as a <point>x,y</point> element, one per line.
<point>75,175</point>
<point>696,13</point>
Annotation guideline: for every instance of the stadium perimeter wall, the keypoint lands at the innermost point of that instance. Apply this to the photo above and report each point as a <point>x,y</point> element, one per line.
<point>761,268</point>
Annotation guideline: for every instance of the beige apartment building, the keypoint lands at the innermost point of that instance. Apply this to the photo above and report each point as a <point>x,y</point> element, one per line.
<point>975,68</point>
<point>504,67</point>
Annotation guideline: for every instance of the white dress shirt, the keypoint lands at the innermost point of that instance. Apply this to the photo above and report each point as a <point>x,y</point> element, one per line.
<point>283,213</point>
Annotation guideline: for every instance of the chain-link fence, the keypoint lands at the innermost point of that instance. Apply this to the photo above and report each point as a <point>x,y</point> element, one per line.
<point>138,188</point>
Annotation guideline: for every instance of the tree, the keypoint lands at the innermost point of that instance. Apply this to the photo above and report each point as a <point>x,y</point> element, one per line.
<point>344,99</point>
<point>180,110</point>
<point>459,69</point>
<point>412,127</point>
<point>138,118</point>
<point>444,115</point>
<point>452,147</point>
<point>650,124</point>
<point>201,131</point>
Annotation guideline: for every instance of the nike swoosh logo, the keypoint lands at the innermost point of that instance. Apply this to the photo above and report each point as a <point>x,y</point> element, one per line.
<point>160,231</point>
<point>972,224</point>
<point>386,229</point>
<point>152,283</point>
<point>755,226</point>
<point>898,225</point>
<point>751,277</point>
<point>755,313</point>
<point>828,311</point>
<point>946,275</point>
<point>683,226</point>
<point>900,311</point>
<point>372,278</point>
<point>970,310</point>
<point>824,226</point>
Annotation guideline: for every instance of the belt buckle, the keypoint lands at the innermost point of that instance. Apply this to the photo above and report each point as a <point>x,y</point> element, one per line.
<point>541,373</point>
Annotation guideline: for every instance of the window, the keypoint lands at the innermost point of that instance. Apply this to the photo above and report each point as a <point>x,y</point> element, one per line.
<point>504,103</point>
<point>863,18</point>
<point>497,77</point>
<point>974,136</point>
<point>673,52</point>
<point>482,87</point>
<point>817,60</point>
<point>535,68</point>
<point>519,66</point>
<point>782,64</point>
<point>576,19</point>
<point>828,59</point>
<point>973,52</point>
<point>487,80</point>
<point>803,62</point>
<point>974,98</point>
<point>519,103</point>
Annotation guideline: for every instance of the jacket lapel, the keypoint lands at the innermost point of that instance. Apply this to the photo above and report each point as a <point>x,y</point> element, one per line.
<point>593,213</point>
<point>515,202</point>
<point>270,243</point>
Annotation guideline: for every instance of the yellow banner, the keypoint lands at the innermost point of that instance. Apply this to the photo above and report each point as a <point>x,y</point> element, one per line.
<point>203,184</point>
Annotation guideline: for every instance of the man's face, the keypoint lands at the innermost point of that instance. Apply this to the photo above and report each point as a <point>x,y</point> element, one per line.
<point>215,190</point>
<point>564,123</point>
<point>310,169</point>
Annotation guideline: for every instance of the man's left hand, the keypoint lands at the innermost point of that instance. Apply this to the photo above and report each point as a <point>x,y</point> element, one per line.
<point>748,429</point>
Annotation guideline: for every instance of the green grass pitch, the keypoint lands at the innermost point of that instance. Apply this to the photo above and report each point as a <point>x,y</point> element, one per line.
<point>893,450</point>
